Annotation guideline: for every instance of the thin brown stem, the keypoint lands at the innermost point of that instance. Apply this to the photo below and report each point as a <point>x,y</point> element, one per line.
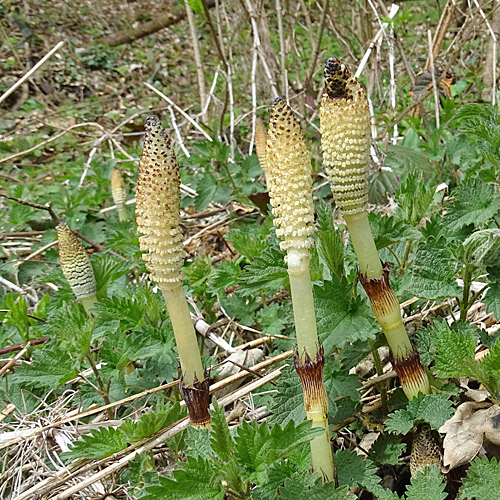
<point>103,392</point>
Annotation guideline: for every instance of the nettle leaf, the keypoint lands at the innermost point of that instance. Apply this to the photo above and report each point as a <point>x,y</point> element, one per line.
<point>474,202</point>
<point>340,318</point>
<point>329,241</point>
<point>258,445</point>
<point>481,248</point>
<point>389,230</point>
<point>288,403</point>
<point>414,197</point>
<point>198,442</point>
<point>492,297</point>
<point>277,474</point>
<point>428,485</point>
<point>196,481</point>
<point>100,443</point>
<point>354,470</point>
<point>50,368</point>
<point>267,271</point>
<point>242,308</point>
<point>386,450</point>
<point>483,479</point>
<point>434,409</point>
<point>295,487</point>
<point>221,441</point>
<point>273,318</point>
<point>433,273</point>
<point>246,242</point>
<point>227,275</point>
<point>454,350</point>
<point>149,423</point>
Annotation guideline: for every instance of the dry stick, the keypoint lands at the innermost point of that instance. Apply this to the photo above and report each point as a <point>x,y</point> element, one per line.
<point>51,139</point>
<point>144,446</point>
<point>17,347</point>
<point>404,59</point>
<point>172,16</point>
<point>178,132</point>
<point>197,54</point>
<point>254,98</point>
<point>433,74</point>
<point>40,63</point>
<point>316,46</point>
<point>441,30</point>
<point>13,360</point>
<point>392,13</point>
<point>494,58</point>
<point>284,74</point>
<point>180,110</point>
<point>247,5</point>
<point>34,254</point>
<point>57,220</point>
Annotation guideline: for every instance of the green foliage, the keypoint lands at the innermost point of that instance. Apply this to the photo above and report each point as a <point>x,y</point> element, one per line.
<point>100,443</point>
<point>340,317</point>
<point>295,487</point>
<point>474,202</point>
<point>355,470</point>
<point>414,197</point>
<point>434,409</point>
<point>329,241</point>
<point>428,485</point>
<point>482,481</point>
<point>386,450</point>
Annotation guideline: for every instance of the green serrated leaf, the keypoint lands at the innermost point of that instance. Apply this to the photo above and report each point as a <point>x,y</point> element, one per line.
<point>414,197</point>
<point>268,271</point>
<point>339,317</point>
<point>329,241</point>
<point>389,230</point>
<point>195,482</point>
<point>428,485</point>
<point>433,273</point>
<point>221,441</point>
<point>434,409</point>
<point>474,202</point>
<point>198,440</point>
<point>100,443</point>
<point>50,368</point>
<point>273,318</point>
<point>354,470</point>
<point>277,474</point>
<point>454,350</point>
<point>299,485</point>
<point>482,481</point>
<point>386,450</point>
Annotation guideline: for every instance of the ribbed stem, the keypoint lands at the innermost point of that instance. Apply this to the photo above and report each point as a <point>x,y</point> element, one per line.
<point>364,245</point>
<point>122,212</point>
<point>185,336</point>
<point>303,302</point>
<point>309,359</point>
<point>88,303</point>
<point>321,452</point>
<point>385,306</point>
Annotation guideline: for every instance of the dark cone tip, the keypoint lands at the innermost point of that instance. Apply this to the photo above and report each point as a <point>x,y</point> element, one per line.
<point>337,76</point>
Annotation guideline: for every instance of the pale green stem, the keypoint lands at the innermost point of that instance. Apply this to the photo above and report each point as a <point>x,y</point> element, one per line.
<point>364,245</point>
<point>303,303</point>
<point>122,212</point>
<point>321,452</point>
<point>185,336</point>
<point>88,303</point>
<point>307,342</point>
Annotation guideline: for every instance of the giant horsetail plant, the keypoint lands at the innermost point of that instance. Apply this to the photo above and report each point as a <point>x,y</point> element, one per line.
<point>261,146</point>
<point>158,220</point>
<point>345,137</point>
<point>290,190</point>
<point>119,193</point>
<point>76,266</point>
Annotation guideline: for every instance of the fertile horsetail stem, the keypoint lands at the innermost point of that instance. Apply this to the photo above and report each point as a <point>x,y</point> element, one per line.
<point>290,191</point>
<point>119,193</point>
<point>345,137</point>
<point>158,220</point>
<point>76,266</point>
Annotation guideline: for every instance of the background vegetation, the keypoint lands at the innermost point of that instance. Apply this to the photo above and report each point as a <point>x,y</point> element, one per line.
<point>211,69</point>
